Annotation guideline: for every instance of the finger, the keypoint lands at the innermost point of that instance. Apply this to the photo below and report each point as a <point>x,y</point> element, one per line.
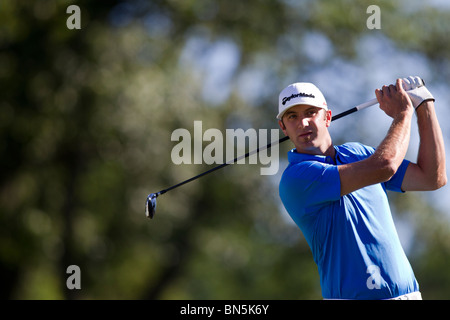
<point>392,88</point>
<point>379,95</point>
<point>399,85</point>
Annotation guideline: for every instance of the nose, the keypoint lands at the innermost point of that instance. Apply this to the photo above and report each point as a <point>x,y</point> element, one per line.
<point>304,122</point>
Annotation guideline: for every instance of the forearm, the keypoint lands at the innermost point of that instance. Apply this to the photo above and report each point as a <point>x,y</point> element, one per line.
<point>392,150</point>
<point>431,156</point>
<point>383,164</point>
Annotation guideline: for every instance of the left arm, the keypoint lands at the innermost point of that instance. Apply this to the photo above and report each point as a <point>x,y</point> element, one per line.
<point>429,172</point>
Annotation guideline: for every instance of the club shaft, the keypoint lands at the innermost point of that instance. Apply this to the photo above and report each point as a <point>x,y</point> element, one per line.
<point>340,115</point>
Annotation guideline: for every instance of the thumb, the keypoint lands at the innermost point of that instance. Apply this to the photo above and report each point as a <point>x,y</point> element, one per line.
<point>399,85</point>
<point>402,90</point>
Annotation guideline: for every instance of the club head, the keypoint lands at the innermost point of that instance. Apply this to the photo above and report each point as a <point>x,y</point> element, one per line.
<point>150,206</point>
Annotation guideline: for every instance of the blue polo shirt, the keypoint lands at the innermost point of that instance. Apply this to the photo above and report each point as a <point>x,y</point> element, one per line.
<point>352,238</point>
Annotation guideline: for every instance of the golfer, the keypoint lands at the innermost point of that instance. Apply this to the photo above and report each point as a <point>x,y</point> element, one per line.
<point>337,194</point>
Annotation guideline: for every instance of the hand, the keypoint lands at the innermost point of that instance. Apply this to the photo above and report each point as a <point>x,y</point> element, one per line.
<point>415,87</point>
<point>394,100</point>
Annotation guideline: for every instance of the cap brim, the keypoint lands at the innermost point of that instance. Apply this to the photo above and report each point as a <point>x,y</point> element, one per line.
<point>280,115</point>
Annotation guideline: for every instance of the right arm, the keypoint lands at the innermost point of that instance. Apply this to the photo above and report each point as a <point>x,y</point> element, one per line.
<point>383,164</point>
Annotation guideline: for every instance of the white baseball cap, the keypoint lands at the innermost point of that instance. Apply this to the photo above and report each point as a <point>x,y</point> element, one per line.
<point>300,93</point>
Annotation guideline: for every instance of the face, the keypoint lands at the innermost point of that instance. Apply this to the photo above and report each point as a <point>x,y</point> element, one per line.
<point>307,127</point>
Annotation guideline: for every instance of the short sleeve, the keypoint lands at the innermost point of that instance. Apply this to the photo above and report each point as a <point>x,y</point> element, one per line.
<point>306,185</point>
<point>395,183</point>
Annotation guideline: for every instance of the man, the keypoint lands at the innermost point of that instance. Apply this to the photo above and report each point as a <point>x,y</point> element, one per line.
<point>337,194</point>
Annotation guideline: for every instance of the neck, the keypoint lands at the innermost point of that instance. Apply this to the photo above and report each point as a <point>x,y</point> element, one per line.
<point>326,149</point>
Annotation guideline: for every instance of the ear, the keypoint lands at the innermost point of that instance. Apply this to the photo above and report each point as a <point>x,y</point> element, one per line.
<point>328,117</point>
<point>282,126</point>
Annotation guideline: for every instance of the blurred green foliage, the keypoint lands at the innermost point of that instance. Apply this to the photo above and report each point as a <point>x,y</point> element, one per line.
<point>86,118</point>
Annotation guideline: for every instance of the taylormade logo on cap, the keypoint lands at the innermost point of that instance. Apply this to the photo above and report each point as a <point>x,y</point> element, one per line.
<point>300,93</point>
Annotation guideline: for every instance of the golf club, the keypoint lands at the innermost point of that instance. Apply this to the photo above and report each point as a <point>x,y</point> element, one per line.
<point>150,206</point>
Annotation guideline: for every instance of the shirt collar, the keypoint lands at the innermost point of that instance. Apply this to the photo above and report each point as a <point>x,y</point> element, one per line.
<point>295,157</point>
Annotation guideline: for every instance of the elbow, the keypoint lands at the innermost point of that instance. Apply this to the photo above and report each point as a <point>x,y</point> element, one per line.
<point>387,169</point>
<point>437,182</point>
<point>441,181</point>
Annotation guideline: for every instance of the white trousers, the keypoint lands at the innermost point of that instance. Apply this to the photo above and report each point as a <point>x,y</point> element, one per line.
<point>409,296</point>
